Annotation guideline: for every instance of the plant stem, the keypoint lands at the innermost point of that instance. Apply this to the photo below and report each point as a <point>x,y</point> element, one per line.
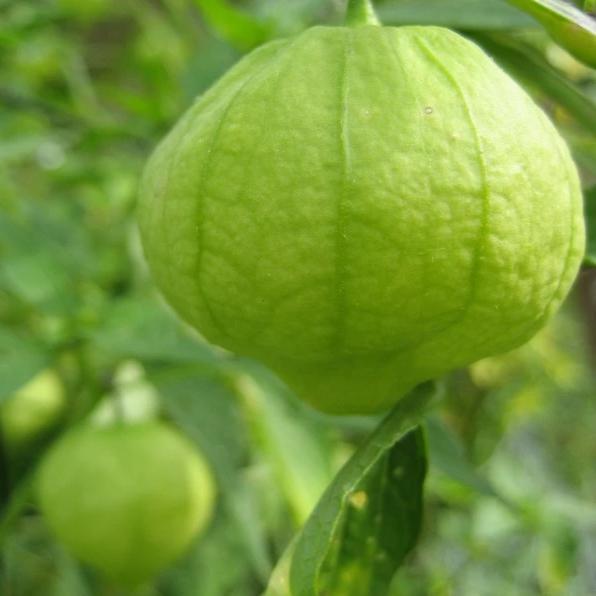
<point>590,6</point>
<point>361,12</point>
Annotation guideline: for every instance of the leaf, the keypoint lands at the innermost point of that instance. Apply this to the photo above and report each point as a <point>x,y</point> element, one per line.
<point>584,151</point>
<point>19,148</point>
<point>20,361</point>
<point>46,255</point>
<point>140,327</point>
<point>369,518</point>
<point>567,25</point>
<point>279,582</point>
<point>590,211</point>
<point>459,14</point>
<point>447,454</point>
<point>34,563</point>
<point>292,441</point>
<point>530,68</point>
<point>208,62</point>
<point>38,278</point>
<point>205,409</point>
<point>213,566</point>
<point>235,26</point>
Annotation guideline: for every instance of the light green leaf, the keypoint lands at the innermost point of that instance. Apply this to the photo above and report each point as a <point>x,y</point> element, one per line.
<point>236,26</point>
<point>567,25</point>
<point>293,443</point>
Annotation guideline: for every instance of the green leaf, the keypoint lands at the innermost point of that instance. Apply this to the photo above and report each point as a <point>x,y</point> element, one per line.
<point>205,409</point>
<point>369,518</point>
<point>447,454</point>
<point>211,58</point>
<point>292,442</point>
<point>140,327</point>
<point>459,14</point>
<point>530,68</point>
<point>38,278</point>
<point>567,25</point>
<point>279,582</point>
<point>214,565</point>
<point>42,258</point>
<point>34,563</point>
<point>235,26</point>
<point>361,12</point>
<point>590,211</point>
<point>19,148</point>
<point>20,360</point>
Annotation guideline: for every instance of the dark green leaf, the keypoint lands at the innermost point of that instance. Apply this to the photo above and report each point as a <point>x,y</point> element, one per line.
<point>459,14</point>
<point>369,518</point>
<point>448,456</point>
<point>215,565</point>
<point>590,210</point>
<point>34,563</point>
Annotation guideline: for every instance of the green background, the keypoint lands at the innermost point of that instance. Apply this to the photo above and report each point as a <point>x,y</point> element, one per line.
<point>86,90</point>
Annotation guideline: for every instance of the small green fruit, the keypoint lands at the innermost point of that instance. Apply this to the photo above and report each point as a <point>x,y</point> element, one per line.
<point>32,410</point>
<point>363,209</point>
<point>127,499</point>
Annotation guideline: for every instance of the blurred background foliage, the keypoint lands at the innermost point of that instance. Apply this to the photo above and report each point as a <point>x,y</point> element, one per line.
<point>87,87</point>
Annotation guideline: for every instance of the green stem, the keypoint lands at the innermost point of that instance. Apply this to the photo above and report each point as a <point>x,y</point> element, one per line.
<point>361,12</point>
<point>590,6</point>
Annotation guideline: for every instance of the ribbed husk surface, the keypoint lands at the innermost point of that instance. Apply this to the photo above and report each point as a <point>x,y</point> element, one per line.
<point>363,209</point>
